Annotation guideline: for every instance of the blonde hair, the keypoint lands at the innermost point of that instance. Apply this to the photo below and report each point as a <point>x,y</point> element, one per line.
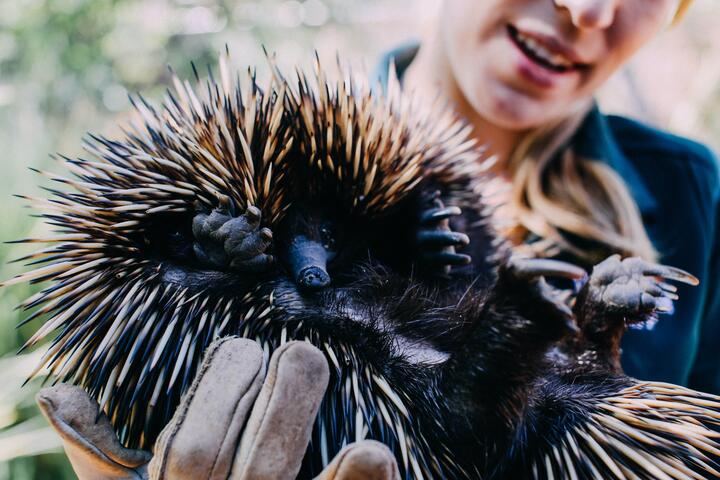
<point>680,12</point>
<point>571,203</point>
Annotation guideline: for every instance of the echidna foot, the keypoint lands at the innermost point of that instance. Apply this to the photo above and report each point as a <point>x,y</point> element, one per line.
<point>232,243</point>
<point>632,288</point>
<point>436,242</point>
<point>526,277</point>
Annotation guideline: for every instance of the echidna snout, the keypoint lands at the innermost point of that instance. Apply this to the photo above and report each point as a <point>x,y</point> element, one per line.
<point>313,278</point>
<point>307,245</point>
<point>307,260</point>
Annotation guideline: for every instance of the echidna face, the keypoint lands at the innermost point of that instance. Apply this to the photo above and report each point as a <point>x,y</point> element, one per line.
<point>310,239</point>
<point>316,240</point>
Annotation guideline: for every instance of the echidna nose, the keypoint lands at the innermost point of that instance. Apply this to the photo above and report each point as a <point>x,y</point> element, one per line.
<point>313,278</point>
<point>307,262</point>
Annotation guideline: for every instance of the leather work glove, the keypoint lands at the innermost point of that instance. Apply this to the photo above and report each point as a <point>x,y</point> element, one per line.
<point>234,422</point>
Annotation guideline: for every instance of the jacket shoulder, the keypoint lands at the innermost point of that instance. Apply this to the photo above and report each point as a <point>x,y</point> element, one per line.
<point>640,141</point>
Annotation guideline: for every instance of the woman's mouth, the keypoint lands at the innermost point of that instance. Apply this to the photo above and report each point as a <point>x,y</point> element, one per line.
<point>546,52</point>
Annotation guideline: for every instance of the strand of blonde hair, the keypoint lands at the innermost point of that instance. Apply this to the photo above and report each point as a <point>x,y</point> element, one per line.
<point>563,198</point>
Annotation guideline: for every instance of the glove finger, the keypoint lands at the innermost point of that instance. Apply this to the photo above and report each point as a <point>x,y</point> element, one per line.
<point>201,439</point>
<point>364,460</point>
<point>89,440</point>
<point>278,430</point>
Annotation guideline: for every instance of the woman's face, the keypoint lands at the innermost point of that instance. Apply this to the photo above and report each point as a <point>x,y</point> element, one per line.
<point>521,63</point>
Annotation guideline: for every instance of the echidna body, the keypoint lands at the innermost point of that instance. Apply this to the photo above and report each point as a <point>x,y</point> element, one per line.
<point>454,377</point>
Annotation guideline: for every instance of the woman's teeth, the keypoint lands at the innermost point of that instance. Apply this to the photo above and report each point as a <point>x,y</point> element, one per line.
<point>543,53</point>
<point>538,52</point>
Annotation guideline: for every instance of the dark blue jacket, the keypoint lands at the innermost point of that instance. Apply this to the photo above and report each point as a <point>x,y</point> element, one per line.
<point>676,185</point>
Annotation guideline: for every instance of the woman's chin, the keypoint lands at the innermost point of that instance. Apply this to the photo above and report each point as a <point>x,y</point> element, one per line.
<point>512,109</point>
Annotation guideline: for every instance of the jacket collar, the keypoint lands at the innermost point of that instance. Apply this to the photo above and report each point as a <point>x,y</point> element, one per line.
<point>401,56</point>
<point>594,139</point>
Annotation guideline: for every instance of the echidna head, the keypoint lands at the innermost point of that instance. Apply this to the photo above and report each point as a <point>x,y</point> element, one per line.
<point>132,305</point>
<point>310,239</point>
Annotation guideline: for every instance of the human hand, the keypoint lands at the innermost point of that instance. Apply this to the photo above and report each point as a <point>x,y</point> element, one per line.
<point>234,422</point>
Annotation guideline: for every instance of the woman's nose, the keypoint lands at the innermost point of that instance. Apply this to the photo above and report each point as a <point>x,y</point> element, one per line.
<point>590,14</point>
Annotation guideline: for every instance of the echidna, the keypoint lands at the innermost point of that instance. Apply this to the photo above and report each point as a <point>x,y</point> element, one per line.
<point>289,212</point>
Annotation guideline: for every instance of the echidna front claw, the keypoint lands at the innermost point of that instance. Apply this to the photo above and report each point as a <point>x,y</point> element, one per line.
<point>441,238</point>
<point>252,214</point>
<point>436,242</point>
<point>235,243</point>
<point>632,289</point>
<point>519,272</point>
<point>671,273</point>
<point>438,213</point>
<point>537,267</point>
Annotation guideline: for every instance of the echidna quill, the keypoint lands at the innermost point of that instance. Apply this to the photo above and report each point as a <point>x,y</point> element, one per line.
<point>291,212</point>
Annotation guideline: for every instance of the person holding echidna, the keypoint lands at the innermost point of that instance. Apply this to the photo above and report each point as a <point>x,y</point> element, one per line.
<point>581,185</point>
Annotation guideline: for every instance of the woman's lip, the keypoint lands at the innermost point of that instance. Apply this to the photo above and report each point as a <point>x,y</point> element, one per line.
<point>540,76</point>
<point>553,45</point>
<point>536,73</point>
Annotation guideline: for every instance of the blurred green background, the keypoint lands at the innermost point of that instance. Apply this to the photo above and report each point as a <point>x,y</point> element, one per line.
<point>66,67</point>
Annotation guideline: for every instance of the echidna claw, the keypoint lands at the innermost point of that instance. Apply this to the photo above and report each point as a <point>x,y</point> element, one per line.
<point>205,225</point>
<point>435,215</point>
<point>436,242</point>
<point>677,274</point>
<point>441,238</point>
<point>253,214</point>
<point>518,273</point>
<point>237,243</point>
<point>266,234</point>
<point>614,266</point>
<point>537,267</point>
<point>571,325</point>
<point>559,301</point>
<point>633,288</point>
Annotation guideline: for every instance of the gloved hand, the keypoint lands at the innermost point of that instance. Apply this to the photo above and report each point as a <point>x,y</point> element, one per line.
<point>230,424</point>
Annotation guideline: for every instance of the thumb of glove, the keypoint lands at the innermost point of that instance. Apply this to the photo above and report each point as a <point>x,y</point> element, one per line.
<point>89,440</point>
